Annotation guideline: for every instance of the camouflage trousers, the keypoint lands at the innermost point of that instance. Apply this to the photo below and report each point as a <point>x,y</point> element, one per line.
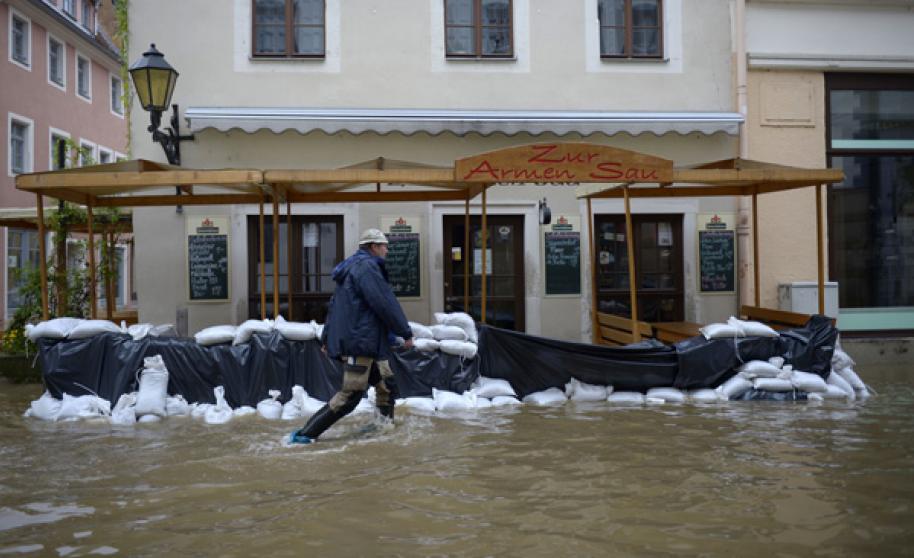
<point>356,378</point>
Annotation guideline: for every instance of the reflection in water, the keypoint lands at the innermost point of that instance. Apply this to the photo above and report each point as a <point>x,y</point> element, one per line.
<point>746,479</point>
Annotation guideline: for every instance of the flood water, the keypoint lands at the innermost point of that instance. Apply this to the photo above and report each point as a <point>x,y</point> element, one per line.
<point>737,479</point>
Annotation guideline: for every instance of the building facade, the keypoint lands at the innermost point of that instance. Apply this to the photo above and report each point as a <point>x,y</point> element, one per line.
<point>60,76</point>
<point>328,84</point>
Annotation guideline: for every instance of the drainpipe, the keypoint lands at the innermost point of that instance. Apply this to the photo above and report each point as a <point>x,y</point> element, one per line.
<point>743,228</point>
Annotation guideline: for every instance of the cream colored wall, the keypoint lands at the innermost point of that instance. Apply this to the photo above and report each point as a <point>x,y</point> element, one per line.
<point>786,125</point>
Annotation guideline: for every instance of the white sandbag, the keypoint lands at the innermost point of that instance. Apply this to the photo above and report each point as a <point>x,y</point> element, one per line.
<point>221,412</point>
<point>626,398</point>
<point>551,396</point>
<point>270,408</point>
<point>153,392</point>
<point>198,410</point>
<point>83,406</point>
<point>446,332</point>
<point>163,330</point>
<point>295,331</point>
<point>851,377</point>
<point>734,387</point>
<point>425,344</point>
<point>463,349</point>
<point>124,412</point>
<point>703,396</point>
<point>215,335</point>
<point>668,394</point>
<point>294,407</point>
<point>420,331</point>
<point>46,407</point>
<point>772,384</point>
<point>836,380</point>
<point>58,328</point>
<point>244,332</point>
<point>460,319</point>
<point>424,404</point>
<point>505,400</point>
<point>450,401</point>
<point>492,387</point>
<point>483,403</point>
<point>841,359</point>
<point>758,369</point>
<point>90,328</point>
<point>318,330</point>
<point>716,331</point>
<point>834,392</point>
<point>176,406</point>
<point>752,329</point>
<point>815,397</point>
<point>154,362</point>
<point>149,418</point>
<point>776,361</point>
<point>808,382</point>
<point>580,391</point>
<point>244,410</point>
<point>139,331</point>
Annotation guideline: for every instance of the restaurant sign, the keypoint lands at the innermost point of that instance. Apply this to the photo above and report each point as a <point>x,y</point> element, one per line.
<point>554,163</point>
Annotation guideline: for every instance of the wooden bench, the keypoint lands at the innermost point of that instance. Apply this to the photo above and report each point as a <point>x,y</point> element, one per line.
<point>778,319</point>
<point>615,331</point>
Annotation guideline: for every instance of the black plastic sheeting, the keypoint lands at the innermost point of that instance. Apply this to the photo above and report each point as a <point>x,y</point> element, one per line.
<point>762,395</point>
<point>108,364</point>
<point>533,363</point>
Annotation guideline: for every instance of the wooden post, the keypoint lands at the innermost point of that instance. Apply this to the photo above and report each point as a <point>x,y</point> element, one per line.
<point>109,276</point>
<point>42,256</point>
<point>289,251</point>
<point>485,245</point>
<point>755,255</point>
<point>466,255</point>
<point>275,254</point>
<point>263,272</point>
<point>633,289</point>
<point>820,248</point>
<point>93,282</point>
<point>594,293</point>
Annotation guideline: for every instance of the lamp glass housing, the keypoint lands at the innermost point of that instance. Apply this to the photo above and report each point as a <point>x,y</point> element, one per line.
<point>154,80</point>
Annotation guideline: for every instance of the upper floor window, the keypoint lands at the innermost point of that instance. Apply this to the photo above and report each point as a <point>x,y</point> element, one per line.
<point>83,77</point>
<point>57,138</point>
<point>479,28</point>
<point>56,62</point>
<point>117,93</point>
<point>288,28</point>
<point>87,15</point>
<point>69,6</point>
<point>20,145</point>
<point>20,40</point>
<point>631,28</point>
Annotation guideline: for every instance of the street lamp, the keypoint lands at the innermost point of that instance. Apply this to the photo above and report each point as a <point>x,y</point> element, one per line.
<point>154,81</point>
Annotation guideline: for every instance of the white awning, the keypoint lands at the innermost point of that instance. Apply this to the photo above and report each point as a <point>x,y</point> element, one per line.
<point>460,122</point>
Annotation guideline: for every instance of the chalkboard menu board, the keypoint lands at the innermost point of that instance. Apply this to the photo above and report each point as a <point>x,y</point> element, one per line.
<point>207,258</point>
<point>403,263</point>
<point>716,253</point>
<point>563,262</point>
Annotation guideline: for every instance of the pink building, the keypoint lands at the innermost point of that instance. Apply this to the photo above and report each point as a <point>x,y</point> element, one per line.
<point>59,78</point>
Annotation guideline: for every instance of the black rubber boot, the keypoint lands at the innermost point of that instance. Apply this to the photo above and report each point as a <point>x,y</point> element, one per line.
<point>319,423</point>
<point>387,411</point>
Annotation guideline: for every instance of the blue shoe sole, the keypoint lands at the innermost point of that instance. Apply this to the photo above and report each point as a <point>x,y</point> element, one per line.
<point>296,438</point>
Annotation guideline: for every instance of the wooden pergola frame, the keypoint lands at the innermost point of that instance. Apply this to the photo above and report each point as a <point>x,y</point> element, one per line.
<point>143,183</point>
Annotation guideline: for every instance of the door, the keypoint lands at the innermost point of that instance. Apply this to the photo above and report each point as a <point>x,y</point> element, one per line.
<point>504,266</point>
<point>658,266</point>
<point>317,246</point>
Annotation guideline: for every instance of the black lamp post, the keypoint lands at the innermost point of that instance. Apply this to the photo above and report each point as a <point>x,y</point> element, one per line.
<point>154,80</point>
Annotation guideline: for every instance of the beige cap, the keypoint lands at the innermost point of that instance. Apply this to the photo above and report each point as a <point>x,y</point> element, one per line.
<point>372,236</point>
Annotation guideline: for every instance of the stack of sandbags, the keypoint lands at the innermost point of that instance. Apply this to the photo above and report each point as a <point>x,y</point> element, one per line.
<point>842,366</point>
<point>454,334</point>
<point>737,328</point>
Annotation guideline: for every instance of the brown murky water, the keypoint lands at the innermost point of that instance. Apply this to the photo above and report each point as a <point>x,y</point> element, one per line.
<point>739,479</point>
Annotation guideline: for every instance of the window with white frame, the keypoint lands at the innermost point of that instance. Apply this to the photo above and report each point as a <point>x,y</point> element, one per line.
<point>56,138</point>
<point>83,77</point>
<point>87,15</point>
<point>88,153</point>
<point>479,28</point>
<point>20,144</point>
<point>117,95</point>
<point>57,62</point>
<point>631,28</point>
<point>105,155</point>
<point>69,6</point>
<point>118,157</point>
<point>21,256</point>
<point>20,39</point>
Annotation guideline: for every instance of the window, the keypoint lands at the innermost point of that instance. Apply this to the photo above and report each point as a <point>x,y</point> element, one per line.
<point>117,91</point>
<point>478,28</point>
<point>69,6</point>
<point>871,213</point>
<point>105,155</point>
<point>20,40</point>
<point>83,77</point>
<point>20,146</point>
<point>56,63</point>
<point>21,256</point>
<point>288,28</point>
<point>631,28</point>
<point>87,15</point>
<point>56,138</point>
<point>88,153</point>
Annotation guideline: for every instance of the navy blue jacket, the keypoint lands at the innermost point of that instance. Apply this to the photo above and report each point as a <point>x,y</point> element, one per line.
<point>363,311</point>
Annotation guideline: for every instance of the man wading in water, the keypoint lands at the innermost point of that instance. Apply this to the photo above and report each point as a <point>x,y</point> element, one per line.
<point>363,312</point>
